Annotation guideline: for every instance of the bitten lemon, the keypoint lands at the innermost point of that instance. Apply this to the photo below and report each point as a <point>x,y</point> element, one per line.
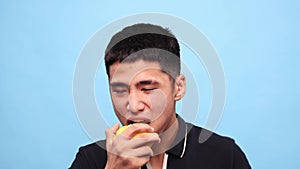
<point>120,130</point>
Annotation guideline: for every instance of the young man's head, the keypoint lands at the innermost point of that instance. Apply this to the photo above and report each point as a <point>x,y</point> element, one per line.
<point>143,65</point>
<point>152,42</point>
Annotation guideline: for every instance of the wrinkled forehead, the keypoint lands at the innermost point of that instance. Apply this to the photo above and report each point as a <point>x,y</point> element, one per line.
<point>126,72</point>
<point>147,59</point>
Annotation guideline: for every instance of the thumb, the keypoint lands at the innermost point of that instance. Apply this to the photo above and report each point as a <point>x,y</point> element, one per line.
<point>110,133</point>
<point>115,127</point>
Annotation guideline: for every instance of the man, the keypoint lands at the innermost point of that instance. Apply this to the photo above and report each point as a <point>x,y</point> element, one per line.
<point>143,67</point>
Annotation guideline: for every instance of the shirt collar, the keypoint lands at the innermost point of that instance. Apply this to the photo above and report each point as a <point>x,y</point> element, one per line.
<point>179,144</point>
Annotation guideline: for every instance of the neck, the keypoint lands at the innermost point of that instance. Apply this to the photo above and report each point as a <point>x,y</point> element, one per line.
<point>156,162</point>
<point>167,138</point>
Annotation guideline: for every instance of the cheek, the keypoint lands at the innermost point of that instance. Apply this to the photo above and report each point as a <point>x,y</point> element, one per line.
<point>119,105</point>
<point>158,102</point>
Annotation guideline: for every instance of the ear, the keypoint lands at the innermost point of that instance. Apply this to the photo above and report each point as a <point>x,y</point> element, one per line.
<point>180,87</point>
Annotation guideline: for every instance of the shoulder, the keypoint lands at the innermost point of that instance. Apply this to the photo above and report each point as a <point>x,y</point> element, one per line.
<point>201,136</point>
<point>215,148</point>
<point>96,148</point>
<point>91,156</point>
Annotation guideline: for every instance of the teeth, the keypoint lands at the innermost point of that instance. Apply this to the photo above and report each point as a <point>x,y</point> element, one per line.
<point>138,121</point>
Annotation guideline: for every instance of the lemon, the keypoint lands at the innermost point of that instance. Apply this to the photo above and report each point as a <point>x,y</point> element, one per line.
<point>120,130</point>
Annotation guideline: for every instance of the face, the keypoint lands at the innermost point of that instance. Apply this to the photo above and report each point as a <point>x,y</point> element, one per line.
<point>141,92</point>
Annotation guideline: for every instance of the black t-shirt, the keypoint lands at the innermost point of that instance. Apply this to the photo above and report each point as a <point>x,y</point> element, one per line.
<point>217,152</point>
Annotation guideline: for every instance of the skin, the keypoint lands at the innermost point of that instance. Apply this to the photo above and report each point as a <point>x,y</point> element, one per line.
<point>140,91</point>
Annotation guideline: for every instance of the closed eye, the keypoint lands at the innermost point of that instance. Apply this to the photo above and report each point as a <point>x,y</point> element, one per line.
<point>119,91</point>
<point>147,89</point>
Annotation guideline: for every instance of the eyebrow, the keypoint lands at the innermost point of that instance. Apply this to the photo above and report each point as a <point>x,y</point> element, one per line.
<point>118,84</point>
<point>140,83</point>
<point>146,82</point>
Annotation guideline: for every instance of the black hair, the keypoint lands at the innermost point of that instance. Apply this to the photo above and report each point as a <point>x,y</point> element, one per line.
<point>147,42</point>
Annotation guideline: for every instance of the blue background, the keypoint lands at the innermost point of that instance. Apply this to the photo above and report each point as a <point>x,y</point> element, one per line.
<point>257,42</point>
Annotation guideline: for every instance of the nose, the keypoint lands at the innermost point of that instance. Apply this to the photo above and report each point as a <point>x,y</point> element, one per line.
<point>135,103</point>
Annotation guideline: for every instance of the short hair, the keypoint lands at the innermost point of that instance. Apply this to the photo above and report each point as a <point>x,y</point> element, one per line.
<point>147,42</point>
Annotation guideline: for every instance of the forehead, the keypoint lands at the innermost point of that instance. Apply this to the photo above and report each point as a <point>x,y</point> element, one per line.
<point>132,71</point>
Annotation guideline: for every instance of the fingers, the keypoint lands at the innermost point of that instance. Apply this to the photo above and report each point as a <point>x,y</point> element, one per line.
<point>115,127</point>
<point>135,147</point>
<point>144,151</point>
<point>127,148</point>
<point>110,134</point>
<point>137,135</point>
<point>146,139</point>
<point>137,128</point>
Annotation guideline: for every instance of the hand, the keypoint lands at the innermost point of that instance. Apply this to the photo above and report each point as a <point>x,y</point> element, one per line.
<point>127,151</point>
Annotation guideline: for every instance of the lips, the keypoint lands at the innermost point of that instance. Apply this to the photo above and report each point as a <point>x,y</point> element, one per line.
<point>138,120</point>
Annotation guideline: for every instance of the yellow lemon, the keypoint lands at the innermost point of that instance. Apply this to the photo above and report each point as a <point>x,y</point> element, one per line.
<point>120,130</point>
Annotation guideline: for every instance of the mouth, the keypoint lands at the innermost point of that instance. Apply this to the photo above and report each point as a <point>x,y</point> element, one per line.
<point>138,121</point>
